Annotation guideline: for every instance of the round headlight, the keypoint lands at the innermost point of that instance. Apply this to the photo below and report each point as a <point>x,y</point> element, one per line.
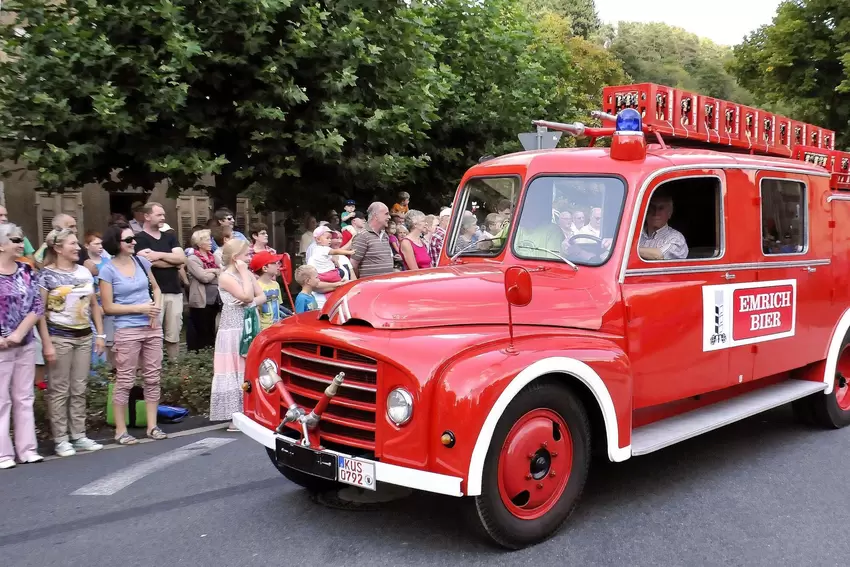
<point>399,406</point>
<point>268,375</point>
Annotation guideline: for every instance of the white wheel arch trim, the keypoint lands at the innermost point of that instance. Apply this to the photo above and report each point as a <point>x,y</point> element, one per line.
<point>563,365</point>
<point>834,347</point>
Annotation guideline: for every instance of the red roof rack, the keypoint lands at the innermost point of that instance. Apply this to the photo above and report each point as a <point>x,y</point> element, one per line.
<point>693,119</point>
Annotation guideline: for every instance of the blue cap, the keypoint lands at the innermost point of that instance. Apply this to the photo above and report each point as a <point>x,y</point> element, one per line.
<point>628,120</point>
<point>350,202</point>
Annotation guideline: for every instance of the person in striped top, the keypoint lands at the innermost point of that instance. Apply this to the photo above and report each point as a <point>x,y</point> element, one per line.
<point>372,253</point>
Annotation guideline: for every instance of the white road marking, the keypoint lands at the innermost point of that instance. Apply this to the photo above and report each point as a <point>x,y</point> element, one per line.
<point>144,440</point>
<point>123,478</point>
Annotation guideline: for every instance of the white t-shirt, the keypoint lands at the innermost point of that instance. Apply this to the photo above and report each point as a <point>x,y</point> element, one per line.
<point>347,270</point>
<point>306,240</point>
<point>68,307</point>
<point>321,260</point>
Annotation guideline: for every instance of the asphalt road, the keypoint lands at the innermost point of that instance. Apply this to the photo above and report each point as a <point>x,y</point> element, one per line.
<point>765,491</point>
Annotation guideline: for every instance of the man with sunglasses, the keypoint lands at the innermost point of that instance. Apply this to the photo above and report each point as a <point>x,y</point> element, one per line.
<point>224,217</point>
<point>658,241</point>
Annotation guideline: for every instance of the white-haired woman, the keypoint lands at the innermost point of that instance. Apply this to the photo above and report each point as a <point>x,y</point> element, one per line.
<point>20,310</point>
<point>203,291</point>
<point>67,291</point>
<point>239,291</point>
<point>467,236</point>
<point>414,252</point>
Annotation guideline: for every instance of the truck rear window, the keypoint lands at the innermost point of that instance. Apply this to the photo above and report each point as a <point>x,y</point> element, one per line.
<point>569,217</point>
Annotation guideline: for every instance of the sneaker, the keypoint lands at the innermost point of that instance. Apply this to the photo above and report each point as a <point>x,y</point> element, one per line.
<point>7,464</point>
<point>65,449</point>
<point>86,444</point>
<point>32,458</point>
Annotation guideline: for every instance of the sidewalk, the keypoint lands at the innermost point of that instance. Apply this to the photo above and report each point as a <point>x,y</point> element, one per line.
<point>105,435</point>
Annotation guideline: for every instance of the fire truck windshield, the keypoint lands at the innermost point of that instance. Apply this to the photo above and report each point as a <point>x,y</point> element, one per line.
<point>569,217</point>
<point>482,227</point>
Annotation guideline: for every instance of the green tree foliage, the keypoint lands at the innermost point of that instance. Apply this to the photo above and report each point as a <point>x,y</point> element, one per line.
<point>502,75</point>
<point>581,14</point>
<point>593,66</point>
<point>659,53</point>
<point>286,97</point>
<point>802,61</point>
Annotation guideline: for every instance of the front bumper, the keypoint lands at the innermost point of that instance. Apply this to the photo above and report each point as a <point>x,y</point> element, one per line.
<point>391,474</point>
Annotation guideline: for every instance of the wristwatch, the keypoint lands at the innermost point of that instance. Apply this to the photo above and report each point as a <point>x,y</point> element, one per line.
<point>100,337</point>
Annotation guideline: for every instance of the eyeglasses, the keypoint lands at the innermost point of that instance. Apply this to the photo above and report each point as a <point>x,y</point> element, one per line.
<point>16,240</point>
<point>228,218</point>
<point>129,239</point>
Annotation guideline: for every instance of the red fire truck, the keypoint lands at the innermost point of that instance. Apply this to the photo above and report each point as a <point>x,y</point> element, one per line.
<point>688,276</point>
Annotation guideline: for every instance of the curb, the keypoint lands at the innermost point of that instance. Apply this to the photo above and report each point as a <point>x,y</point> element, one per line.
<point>145,440</point>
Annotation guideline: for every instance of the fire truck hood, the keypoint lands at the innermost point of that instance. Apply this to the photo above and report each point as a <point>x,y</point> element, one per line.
<point>461,295</point>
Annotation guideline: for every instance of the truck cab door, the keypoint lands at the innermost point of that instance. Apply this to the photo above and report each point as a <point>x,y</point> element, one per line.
<point>676,331</point>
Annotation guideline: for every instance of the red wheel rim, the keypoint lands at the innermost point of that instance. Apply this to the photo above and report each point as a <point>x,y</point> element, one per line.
<point>535,464</point>
<point>842,375</point>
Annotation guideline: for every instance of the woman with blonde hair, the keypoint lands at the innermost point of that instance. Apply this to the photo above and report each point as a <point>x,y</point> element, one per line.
<point>238,291</point>
<point>68,293</point>
<point>203,291</point>
<point>20,309</point>
<point>414,252</point>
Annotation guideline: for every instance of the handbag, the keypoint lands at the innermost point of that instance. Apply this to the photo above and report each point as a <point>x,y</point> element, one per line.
<point>250,329</point>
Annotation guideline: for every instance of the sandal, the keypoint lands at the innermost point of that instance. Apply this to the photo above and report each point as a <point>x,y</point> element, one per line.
<point>126,439</point>
<point>157,434</point>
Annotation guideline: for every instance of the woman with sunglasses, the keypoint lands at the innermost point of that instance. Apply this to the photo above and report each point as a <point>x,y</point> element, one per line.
<point>20,309</point>
<point>67,291</point>
<point>131,295</point>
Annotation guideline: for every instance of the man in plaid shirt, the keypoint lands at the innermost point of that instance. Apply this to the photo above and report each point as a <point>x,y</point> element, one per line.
<point>439,236</point>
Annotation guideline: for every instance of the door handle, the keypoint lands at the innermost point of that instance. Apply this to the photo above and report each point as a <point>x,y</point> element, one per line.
<point>729,276</point>
<point>810,269</point>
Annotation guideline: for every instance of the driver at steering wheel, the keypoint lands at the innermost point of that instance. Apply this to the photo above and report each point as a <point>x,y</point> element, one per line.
<point>658,241</point>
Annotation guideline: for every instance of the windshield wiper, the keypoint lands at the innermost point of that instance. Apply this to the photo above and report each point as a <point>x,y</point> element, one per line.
<point>525,246</point>
<point>468,246</point>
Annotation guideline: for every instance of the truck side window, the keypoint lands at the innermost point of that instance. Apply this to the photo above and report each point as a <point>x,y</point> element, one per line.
<point>487,204</point>
<point>683,221</point>
<point>783,216</point>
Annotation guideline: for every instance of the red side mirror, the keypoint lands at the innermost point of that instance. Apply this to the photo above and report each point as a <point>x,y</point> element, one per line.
<point>518,286</point>
<point>286,268</point>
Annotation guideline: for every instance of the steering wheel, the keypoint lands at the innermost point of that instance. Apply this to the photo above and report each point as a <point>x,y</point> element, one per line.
<point>596,239</point>
<point>597,248</point>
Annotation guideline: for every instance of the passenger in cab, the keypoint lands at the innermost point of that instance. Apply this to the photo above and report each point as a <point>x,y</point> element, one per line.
<point>658,241</point>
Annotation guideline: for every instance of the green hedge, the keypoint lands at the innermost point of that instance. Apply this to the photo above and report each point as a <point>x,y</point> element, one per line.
<point>185,383</point>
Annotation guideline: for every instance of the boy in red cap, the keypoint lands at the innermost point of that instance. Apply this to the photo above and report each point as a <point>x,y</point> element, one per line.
<point>266,266</point>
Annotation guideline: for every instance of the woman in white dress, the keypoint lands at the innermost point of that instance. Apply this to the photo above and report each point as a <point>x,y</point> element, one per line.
<point>238,291</point>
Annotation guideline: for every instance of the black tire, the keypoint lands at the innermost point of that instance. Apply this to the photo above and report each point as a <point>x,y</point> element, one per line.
<point>502,526</point>
<point>302,479</point>
<point>823,409</point>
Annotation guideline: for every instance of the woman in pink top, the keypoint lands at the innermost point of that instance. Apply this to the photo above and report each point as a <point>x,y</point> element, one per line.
<point>414,252</point>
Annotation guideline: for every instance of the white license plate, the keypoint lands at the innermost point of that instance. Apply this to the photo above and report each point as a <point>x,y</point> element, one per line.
<point>356,473</point>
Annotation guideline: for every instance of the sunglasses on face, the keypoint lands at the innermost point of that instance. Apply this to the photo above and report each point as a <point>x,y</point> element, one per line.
<point>129,239</point>
<point>16,240</point>
<point>228,218</point>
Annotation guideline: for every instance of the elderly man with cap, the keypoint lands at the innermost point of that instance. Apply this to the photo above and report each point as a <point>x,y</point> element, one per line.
<point>138,221</point>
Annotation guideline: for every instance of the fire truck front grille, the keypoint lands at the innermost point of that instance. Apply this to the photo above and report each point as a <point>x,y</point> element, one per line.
<point>349,421</point>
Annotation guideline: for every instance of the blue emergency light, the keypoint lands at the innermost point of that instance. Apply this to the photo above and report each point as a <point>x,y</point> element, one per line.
<point>628,120</point>
<point>628,143</point>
